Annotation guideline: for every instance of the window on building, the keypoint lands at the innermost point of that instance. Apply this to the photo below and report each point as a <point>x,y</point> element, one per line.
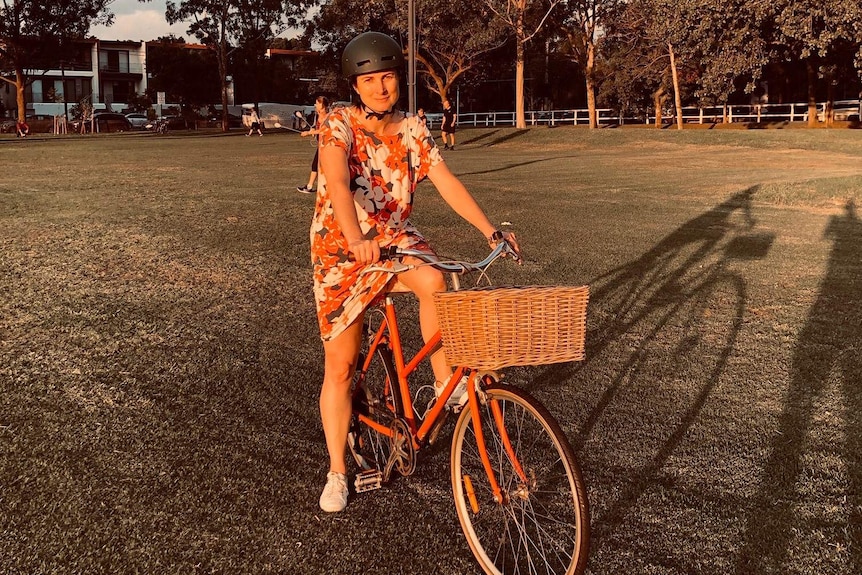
<point>114,61</point>
<point>36,95</point>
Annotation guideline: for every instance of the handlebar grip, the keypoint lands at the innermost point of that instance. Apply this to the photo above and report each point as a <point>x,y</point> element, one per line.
<point>389,253</point>
<point>386,253</point>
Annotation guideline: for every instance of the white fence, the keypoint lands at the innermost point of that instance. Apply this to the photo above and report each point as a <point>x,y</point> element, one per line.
<point>795,112</point>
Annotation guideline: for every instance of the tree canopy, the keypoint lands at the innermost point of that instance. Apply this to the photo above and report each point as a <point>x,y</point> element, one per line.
<point>225,25</point>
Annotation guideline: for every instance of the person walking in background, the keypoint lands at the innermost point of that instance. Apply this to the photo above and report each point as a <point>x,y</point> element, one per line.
<point>423,119</point>
<point>447,128</point>
<point>321,109</point>
<point>255,123</point>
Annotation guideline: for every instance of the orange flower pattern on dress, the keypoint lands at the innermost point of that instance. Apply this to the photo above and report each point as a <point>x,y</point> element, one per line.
<point>380,179</point>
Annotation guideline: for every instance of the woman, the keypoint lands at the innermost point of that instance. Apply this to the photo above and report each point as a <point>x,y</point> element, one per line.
<point>365,193</point>
<point>321,109</point>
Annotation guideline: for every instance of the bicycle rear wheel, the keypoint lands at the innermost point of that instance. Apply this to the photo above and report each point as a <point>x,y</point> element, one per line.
<point>373,411</point>
<point>541,525</point>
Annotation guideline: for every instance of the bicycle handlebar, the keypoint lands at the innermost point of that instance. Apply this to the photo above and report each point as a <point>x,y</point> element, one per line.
<point>454,267</point>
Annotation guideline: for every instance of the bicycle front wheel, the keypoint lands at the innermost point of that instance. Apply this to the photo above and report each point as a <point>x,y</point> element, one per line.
<point>540,524</point>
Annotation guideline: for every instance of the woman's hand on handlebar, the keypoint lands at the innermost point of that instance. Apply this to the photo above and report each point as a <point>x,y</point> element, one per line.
<point>509,238</point>
<point>364,252</point>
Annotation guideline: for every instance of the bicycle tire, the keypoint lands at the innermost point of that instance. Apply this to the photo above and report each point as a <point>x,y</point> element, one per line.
<point>542,526</point>
<point>372,398</point>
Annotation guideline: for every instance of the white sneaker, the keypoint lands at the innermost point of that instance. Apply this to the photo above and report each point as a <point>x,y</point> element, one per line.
<point>459,395</point>
<point>334,496</point>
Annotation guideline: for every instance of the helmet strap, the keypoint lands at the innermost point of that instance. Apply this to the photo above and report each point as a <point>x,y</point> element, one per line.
<point>369,113</point>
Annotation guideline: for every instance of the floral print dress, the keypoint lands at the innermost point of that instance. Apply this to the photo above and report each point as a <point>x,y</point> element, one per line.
<point>384,171</point>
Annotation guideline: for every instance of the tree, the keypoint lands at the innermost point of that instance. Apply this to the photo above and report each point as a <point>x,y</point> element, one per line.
<point>224,25</point>
<point>35,35</point>
<point>729,42</point>
<point>637,68</point>
<point>524,19</point>
<point>453,37</point>
<point>817,32</point>
<point>187,76</point>
<point>581,25</point>
<point>657,45</point>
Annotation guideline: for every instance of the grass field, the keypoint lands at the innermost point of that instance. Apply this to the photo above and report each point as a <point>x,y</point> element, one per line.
<point>159,356</point>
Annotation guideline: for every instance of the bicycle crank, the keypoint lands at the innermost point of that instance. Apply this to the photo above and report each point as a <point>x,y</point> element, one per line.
<point>402,456</point>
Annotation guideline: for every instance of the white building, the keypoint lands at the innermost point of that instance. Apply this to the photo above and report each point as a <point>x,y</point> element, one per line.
<point>106,71</point>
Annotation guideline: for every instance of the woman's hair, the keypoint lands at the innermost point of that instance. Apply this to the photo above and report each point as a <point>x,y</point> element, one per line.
<point>322,100</point>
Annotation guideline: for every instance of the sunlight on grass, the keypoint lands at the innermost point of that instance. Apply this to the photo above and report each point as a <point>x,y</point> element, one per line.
<point>160,361</point>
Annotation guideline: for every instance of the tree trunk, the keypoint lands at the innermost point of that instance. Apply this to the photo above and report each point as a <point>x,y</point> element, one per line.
<point>677,98</point>
<point>658,100</point>
<point>830,101</point>
<point>812,93</point>
<point>520,120</point>
<point>19,94</point>
<point>222,70</point>
<point>591,85</point>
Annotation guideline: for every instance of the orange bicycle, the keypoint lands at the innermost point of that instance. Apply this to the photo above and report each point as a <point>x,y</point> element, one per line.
<point>519,492</point>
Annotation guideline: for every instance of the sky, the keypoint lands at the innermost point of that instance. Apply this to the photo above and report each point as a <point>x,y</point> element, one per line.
<point>135,20</point>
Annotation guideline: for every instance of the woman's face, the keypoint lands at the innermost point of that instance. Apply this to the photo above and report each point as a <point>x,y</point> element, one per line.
<point>378,90</point>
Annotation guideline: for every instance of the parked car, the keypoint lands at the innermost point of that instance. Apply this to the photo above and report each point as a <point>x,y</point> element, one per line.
<point>233,121</point>
<point>138,120</point>
<point>7,126</point>
<point>176,122</point>
<point>39,124</point>
<point>842,111</point>
<point>105,122</point>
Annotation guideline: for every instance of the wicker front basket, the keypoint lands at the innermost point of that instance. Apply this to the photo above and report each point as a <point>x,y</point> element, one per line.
<point>491,328</point>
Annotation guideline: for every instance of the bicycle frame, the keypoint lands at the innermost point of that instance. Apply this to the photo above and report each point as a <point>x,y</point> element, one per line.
<point>388,333</point>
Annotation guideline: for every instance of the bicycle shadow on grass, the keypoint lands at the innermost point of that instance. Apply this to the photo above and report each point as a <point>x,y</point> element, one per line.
<point>515,165</point>
<point>479,138</point>
<point>495,137</point>
<point>820,426</point>
<point>662,328</point>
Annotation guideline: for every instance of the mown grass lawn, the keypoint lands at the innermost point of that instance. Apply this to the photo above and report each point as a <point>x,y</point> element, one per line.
<point>159,357</point>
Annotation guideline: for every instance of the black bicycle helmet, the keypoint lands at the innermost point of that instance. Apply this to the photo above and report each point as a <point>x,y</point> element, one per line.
<point>371,52</point>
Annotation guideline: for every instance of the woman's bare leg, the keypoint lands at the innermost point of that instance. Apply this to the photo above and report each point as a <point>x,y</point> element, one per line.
<point>425,282</point>
<point>335,401</point>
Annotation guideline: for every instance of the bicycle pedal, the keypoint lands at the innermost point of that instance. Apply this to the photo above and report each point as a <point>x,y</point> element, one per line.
<point>368,480</point>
